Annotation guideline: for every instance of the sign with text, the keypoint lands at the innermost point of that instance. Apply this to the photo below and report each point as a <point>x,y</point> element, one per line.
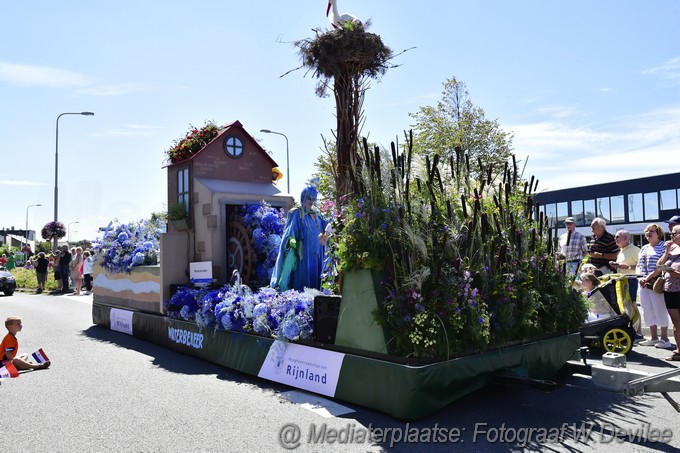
<point>200,272</point>
<point>121,320</point>
<point>313,369</point>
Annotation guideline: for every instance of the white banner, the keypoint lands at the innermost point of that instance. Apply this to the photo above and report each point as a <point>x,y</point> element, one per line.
<point>121,320</point>
<point>313,369</point>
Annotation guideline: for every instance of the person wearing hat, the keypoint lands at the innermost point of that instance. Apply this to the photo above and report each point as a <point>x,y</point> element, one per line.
<point>571,247</point>
<point>675,220</point>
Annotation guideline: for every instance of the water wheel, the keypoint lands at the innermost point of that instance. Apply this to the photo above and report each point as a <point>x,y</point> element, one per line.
<point>240,255</point>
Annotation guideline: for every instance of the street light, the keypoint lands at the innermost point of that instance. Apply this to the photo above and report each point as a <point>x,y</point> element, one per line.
<point>56,167</point>
<point>69,232</point>
<point>26,235</point>
<point>267,131</point>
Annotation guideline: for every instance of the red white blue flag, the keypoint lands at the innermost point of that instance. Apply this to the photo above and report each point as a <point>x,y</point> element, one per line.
<point>8,371</point>
<point>39,356</point>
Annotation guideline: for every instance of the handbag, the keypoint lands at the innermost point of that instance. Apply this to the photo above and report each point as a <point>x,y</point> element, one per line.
<point>658,285</point>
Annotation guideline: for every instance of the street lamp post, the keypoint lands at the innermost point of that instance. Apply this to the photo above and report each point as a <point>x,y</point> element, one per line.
<point>56,168</point>
<point>267,131</point>
<point>68,238</point>
<point>26,235</point>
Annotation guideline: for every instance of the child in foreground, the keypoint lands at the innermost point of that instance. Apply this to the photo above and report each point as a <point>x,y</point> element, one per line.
<point>9,348</point>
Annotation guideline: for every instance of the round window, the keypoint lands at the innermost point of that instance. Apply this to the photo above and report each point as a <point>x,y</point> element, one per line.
<point>233,146</point>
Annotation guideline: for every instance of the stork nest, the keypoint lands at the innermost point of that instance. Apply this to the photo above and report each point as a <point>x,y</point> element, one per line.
<point>345,52</point>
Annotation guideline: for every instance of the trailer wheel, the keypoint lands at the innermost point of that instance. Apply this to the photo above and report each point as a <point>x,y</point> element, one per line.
<point>617,340</point>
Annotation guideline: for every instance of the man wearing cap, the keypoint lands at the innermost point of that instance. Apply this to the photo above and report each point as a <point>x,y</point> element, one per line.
<point>572,246</point>
<point>675,220</point>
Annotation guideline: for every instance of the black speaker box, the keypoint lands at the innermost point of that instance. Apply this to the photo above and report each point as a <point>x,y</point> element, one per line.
<point>326,312</point>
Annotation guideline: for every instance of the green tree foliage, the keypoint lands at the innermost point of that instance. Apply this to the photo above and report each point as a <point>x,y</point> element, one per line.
<point>5,249</point>
<point>455,122</point>
<point>327,167</point>
<point>43,246</point>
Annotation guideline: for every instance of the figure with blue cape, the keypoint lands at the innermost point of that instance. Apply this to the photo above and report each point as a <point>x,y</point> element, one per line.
<point>302,251</point>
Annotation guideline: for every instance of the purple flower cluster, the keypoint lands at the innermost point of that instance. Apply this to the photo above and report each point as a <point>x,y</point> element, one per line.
<point>53,230</point>
<point>288,315</point>
<point>128,245</point>
<point>183,304</point>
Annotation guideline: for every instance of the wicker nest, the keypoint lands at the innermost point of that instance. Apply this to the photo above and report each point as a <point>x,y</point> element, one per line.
<point>342,52</point>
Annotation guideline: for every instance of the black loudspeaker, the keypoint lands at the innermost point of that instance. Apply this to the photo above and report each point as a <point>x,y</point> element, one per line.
<point>174,287</point>
<point>326,312</point>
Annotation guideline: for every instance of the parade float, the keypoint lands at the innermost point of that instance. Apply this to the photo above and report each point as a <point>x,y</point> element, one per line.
<point>439,295</point>
<point>439,276</point>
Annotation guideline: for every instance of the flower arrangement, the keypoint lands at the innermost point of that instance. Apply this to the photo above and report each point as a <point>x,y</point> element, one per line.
<point>265,225</point>
<point>194,140</point>
<point>53,230</point>
<point>466,264</point>
<point>124,246</point>
<point>367,227</point>
<point>284,316</point>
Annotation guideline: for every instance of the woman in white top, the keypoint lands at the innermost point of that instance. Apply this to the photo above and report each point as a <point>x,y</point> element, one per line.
<point>653,305</point>
<point>88,270</point>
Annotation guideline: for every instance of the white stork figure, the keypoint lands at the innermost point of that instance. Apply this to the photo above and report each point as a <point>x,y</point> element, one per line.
<point>337,19</point>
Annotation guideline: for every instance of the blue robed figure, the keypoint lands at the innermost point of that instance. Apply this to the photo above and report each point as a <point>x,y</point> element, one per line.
<point>302,250</point>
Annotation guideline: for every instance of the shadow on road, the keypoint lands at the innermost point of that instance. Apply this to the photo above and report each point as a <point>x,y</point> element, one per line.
<point>174,361</point>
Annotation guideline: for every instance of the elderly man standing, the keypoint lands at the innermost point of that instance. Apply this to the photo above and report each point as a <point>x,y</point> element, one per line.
<point>571,247</point>
<point>627,260</point>
<point>603,248</point>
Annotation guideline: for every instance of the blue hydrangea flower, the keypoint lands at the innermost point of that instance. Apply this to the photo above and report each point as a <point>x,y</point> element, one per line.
<point>290,329</point>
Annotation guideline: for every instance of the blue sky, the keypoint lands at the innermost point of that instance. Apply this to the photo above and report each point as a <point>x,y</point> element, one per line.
<point>591,89</point>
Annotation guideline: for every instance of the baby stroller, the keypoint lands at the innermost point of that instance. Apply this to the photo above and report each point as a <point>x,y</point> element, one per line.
<point>612,327</point>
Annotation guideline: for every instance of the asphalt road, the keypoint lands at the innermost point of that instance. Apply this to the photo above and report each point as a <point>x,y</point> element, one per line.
<point>109,392</point>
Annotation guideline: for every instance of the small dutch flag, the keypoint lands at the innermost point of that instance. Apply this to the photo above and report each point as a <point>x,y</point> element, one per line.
<point>40,357</point>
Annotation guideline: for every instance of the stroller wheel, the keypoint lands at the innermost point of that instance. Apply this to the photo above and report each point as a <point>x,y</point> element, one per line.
<point>617,340</point>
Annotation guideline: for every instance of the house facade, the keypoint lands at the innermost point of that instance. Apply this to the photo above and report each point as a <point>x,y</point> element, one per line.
<point>210,186</point>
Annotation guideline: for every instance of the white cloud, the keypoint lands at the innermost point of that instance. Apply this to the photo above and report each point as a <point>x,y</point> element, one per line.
<point>549,137</point>
<point>31,75</point>
<point>562,155</point>
<point>113,89</point>
<point>559,111</point>
<point>13,182</point>
<point>670,70</point>
<point>26,75</point>
<point>130,130</point>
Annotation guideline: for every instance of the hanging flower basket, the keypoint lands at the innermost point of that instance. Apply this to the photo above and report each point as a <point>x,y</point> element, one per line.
<point>53,230</point>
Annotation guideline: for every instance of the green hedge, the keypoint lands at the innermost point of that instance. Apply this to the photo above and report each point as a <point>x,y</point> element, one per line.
<point>26,279</point>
